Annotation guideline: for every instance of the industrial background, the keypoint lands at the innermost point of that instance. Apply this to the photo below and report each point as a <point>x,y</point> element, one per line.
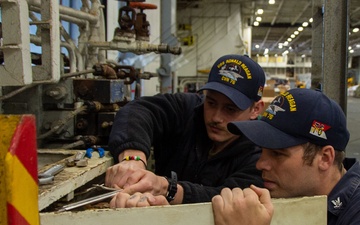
<point>73,64</point>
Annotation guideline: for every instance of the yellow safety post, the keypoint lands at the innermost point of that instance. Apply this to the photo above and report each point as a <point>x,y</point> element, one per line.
<point>18,170</point>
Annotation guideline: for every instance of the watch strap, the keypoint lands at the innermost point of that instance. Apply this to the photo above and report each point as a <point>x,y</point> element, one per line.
<point>172,188</point>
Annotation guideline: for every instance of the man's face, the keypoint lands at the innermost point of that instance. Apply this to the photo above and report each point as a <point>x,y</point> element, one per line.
<point>219,110</point>
<point>286,175</point>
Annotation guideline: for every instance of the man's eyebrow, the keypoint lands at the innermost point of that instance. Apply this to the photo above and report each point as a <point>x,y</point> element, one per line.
<point>210,97</point>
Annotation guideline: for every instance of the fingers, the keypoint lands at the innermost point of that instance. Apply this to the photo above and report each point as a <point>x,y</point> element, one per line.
<point>242,206</point>
<point>264,197</point>
<point>119,174</point>
<point>124,200</point>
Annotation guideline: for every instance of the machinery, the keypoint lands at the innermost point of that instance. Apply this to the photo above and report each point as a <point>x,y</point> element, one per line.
<point>74,95</point>
<point>69,84</point>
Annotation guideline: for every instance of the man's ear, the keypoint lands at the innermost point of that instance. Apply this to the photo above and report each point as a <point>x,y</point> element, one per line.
<point>327,157</point>
<point>257,109</point>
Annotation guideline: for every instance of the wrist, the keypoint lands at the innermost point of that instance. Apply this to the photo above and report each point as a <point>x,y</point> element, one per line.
<point>172,187</point>
<point>134,158</point>
<point>128,152</point>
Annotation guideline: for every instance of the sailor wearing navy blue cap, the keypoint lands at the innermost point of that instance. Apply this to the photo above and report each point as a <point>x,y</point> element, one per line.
<point>188,133</point>
<point>303,136</point>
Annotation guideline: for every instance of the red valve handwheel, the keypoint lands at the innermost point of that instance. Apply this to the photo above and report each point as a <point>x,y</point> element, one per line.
<point>142,6</point>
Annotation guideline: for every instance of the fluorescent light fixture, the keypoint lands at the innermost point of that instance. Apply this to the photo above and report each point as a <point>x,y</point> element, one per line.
<point>260,11</point>
<point>286,52</point>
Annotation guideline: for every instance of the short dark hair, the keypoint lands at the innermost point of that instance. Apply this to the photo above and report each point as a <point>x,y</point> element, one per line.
<point>310,151</point>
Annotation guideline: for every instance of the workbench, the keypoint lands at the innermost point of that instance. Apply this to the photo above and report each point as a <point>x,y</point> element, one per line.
<point>70,178</point>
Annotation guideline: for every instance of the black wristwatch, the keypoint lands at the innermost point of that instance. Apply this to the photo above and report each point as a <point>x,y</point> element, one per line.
<point>172,188</point>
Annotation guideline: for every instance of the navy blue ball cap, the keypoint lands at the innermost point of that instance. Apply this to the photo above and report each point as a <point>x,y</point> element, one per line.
<point>239,78</point>
<point>297,117</point>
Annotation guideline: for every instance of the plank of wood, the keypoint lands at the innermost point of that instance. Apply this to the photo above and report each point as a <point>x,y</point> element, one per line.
<point>294,211</point>
<point>71,178</point>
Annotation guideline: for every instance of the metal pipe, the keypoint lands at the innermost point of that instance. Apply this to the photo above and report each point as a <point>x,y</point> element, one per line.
<point>69,12</point>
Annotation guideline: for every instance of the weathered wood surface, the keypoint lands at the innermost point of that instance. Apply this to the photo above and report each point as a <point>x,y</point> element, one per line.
<point>296,211</point>
<point>70,178</point>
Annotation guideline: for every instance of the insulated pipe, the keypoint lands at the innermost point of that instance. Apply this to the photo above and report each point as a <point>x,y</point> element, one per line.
<point>69,12</point>
<point>79,22</point>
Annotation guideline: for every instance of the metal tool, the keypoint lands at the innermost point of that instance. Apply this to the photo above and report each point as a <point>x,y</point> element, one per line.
<point>47,177</point>
<point>94,199</point>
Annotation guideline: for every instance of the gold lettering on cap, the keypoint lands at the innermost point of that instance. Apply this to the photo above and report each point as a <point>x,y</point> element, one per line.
<point>291,101</point>
<point>247,71</point>
<point>220,64</point>
<point>227,79</point>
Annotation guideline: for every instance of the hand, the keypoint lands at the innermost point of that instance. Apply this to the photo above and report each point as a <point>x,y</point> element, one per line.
<point>116,172</point>
<point>136,180</point>
<point>251,206</point>
<point>124,200</point>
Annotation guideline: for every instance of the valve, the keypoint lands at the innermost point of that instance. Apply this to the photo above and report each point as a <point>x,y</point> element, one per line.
<point>142,26</point>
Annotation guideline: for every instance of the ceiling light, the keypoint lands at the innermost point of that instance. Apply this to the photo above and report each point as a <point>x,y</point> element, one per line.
<point>266,51</point>
<point>300,29</point>
<point>271,2</point>
<point>257,46</point>
<point>292,36</point>
<point>258,18</point>
<point>305,24</point>
<point>289,39</point>
<point>351,51</point>
<point>303,56</point>
<point>286,52</point>
<point>286,43</point>
<point>256,23</point>
<point>296,32</point>
<point>357,46</point>
<point>310,20</point>
<point>276,55</point>
<point>280,46</point>
<point>355,30</point>
<point>349,47</point>
<point>260,11</point>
